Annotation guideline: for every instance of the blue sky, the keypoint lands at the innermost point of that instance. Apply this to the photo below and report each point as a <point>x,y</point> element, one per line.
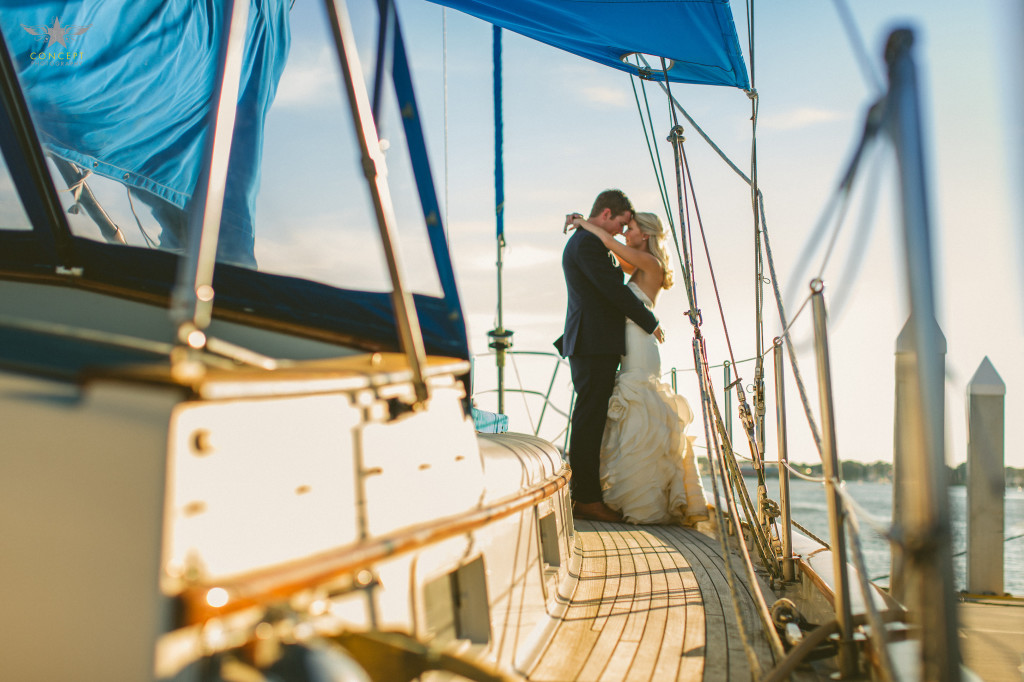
<point>571,129</point>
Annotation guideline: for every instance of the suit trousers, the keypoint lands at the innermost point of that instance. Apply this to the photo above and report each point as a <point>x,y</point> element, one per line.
<point>593,377</point>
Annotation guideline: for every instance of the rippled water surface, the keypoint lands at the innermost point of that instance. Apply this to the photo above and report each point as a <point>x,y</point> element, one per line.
<point>809,509</point>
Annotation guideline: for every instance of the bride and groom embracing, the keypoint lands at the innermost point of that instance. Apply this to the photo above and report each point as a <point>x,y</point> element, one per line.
<point>630,457</point>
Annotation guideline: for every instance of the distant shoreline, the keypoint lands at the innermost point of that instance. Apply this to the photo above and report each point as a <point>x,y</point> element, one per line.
<point>875,471</point>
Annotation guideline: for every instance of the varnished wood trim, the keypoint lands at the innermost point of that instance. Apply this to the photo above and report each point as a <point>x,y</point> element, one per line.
<point>274,584</point>
<point>816,580</point>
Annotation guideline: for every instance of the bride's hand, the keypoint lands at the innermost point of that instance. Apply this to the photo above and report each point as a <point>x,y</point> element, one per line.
<point>571,221</point>
<point>659,334</point>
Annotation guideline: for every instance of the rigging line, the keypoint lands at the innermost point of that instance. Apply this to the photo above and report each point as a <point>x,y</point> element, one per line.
<point>682,252</point>
<point>655,164</point>
<point>707,254</point>
<point>759,402</point>
<point>811,535</point>
<point>845,197</point>
<point>663,185</point>
<point>734,452</point>
<point>769,560</point>
<point>760,533</point>
<point>877,630</point>
<point>684,200</point>
<point>150,242</point>
<point>785,330</point>
<point>958,554</point>
<point>685,263</point>
<point>859,243</point>
<point>677,106</point>
<point>839,199</point>
<point>661,170</point>
<point>877,524</point>
<point>857,45</point>
<point>821,228</point>
<point>872,124</point>
<point>794,364</point>
<point>725,443</point>
<point>688,234</point>
<point>812,479</point>
<point>718,476</point>
<point>691,369</point>
<point>526,406</point>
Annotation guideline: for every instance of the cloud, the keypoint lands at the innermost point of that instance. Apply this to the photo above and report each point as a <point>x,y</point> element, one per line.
<point>320,254</point>
<point>309,81</point>
<point>606,96</point>
<point>803,117</point>
<point>525,256</point>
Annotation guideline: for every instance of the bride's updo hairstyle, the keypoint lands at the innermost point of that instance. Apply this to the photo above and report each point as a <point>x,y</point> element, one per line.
<point>650,225</point>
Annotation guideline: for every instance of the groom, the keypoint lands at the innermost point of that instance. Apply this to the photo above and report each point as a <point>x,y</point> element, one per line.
<point>594,340</point>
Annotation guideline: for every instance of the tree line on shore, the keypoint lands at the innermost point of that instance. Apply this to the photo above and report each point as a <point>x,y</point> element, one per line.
<point>873,471</point>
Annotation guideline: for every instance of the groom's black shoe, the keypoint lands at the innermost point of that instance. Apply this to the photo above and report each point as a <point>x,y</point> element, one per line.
<point>595,511</point>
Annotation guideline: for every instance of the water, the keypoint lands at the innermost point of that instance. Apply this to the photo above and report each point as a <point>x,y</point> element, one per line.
<point>810,510</point>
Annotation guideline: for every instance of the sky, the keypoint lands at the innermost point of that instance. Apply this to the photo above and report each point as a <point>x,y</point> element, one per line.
<point>571,129</point>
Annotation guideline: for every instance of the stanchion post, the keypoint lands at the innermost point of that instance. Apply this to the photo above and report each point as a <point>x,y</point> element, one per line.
<point>830,465</point>
<point>788,572</point>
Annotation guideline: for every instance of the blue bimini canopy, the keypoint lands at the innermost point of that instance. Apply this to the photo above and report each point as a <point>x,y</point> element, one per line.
<point>698,36</point>
<point>124,90</point>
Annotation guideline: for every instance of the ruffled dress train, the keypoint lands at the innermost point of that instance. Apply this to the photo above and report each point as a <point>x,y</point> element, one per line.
<point>648,468</point>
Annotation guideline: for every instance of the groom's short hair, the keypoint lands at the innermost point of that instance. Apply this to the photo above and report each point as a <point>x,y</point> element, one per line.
<point>615,199</point>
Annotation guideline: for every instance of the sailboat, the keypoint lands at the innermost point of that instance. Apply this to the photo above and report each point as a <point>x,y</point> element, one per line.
<point>230,454</point>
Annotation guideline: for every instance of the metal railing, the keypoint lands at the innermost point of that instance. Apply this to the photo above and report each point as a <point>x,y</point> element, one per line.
<point>557,362</point>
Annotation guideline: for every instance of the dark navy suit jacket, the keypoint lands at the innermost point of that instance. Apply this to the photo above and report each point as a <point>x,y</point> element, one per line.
<point>599,302</point>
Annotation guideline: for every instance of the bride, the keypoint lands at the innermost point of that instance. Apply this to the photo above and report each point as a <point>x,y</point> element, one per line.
<point>648,469</point>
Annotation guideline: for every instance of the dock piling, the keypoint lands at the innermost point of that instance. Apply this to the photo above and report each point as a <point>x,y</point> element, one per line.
<point>986,480</point>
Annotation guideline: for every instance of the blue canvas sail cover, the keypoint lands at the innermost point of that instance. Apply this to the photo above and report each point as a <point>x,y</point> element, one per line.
<point>125,90</point>
<point>699,36</point>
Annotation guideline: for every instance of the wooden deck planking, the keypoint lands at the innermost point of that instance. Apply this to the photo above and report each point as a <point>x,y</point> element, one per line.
<point>739,664</point>
<point>569,648</point>
<point>720,622</point>
<point>683,631</point>
<point>657,639</point>
<point>692,626</point>
<point>641,623</point>
<point>650,603</point>
<point>617,587</point>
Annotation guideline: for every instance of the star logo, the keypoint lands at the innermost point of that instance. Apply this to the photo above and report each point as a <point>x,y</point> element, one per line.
<point>56,33</point>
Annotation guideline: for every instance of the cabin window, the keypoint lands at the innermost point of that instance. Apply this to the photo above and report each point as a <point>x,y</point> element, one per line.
<point>12,215</point>
<point>314,214</point>
<point>456,607</point>
<point>548,530</point>
<point>120,114</point>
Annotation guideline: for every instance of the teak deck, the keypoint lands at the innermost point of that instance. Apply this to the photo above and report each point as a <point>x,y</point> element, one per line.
<point>650,603</point>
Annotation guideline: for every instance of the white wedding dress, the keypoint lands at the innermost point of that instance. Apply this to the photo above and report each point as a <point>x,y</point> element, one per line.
<point>648,469</point>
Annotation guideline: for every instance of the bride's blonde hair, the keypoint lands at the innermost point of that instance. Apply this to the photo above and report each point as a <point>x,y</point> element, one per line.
<point>650,225</point>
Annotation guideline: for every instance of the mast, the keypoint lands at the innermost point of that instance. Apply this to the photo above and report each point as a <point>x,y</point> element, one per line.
<point>501,338</point>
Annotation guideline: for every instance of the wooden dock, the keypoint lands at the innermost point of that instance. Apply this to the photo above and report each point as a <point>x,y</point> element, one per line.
<point>650,603</point>
<point>992,638</point>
